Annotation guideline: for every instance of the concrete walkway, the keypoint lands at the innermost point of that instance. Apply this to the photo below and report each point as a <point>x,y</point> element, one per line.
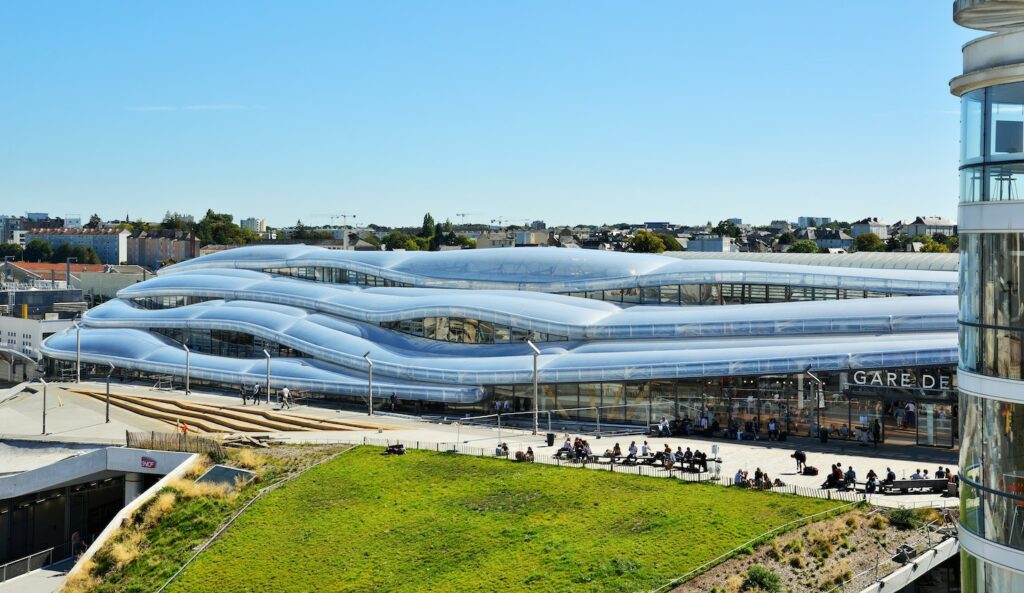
<point>48,579</point>
<point>772,457</point>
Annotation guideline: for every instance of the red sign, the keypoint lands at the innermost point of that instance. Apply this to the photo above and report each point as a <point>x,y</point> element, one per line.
<point>149,463</point>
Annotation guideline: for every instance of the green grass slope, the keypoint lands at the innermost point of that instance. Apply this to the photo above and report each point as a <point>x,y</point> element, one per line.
<point>446,523</point>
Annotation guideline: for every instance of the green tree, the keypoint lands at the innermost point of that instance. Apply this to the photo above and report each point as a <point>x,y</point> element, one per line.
<point>94,222</point>
<point>934,247</point>
<point>897,242</point>
<point>645,241</point>
<point>173,221</point>
<point>868,242</point>
<point>11,249</point>
<point>83,255</point>
<point>399,240</point>
<point>371,239</point>
<point>804,246</point>
<point>429,227</point>
<point>220,229</point>
<point>727,229</point>
<point>671,243</point>
<point>38,251</point>
<point>787,238</point>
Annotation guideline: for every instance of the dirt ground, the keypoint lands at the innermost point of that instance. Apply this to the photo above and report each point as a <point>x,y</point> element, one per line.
<point>823,555</point>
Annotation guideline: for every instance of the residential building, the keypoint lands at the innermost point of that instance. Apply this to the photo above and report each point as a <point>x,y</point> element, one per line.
<point>657,225</point>
<point>538,225</point>
<point>532,238</point>
<point>928,226</point>
<point>832,239</point>
<point>991,227</point>
<point>806,221</point>
<point>711,243</point>
<point>256,225</point>
<point>780,226</point>
<point>735,221</point>
<point>155,249</point>
<point>111,245</point>
<point>870,225</point>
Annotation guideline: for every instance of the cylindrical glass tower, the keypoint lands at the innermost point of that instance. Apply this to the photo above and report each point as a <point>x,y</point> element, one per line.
<point>991,226</point>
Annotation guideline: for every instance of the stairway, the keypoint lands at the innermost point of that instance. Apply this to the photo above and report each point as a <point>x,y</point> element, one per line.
<point>212,418</point>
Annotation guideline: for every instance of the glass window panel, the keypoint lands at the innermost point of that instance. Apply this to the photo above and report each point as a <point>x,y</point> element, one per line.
<point>1003,181</point>
<point>1006,121</point>
<point>972,111</point>
<point>669,295</point>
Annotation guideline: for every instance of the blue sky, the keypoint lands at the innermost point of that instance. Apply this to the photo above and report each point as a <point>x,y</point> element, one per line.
<point>571,111</point>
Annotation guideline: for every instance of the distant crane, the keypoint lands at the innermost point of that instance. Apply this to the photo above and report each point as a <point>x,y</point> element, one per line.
<point>501,220</point>
<point>344,225</point>
<point>463,215</point>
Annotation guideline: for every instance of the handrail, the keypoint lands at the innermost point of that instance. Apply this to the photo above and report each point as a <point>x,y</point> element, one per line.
<point>28,564</point>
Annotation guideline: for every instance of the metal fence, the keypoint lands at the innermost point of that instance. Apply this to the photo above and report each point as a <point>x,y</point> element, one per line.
<point>655,471</point>
<point>16,568</point>
<point>174,441</point>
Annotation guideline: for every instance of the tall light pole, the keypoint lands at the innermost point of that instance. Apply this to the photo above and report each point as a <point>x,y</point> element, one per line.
<point>267,354</point>
<point>536,353</point>
<point>108,390</point>
<point>188,368</point>
<point>369,383</point>
<point>78,351</point>
<point>44,405</point>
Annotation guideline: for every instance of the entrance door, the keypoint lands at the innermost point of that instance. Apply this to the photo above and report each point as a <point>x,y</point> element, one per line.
<point>934,423</point>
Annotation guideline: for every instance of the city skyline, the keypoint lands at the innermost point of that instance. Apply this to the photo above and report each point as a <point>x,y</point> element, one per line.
<point>540,112</point>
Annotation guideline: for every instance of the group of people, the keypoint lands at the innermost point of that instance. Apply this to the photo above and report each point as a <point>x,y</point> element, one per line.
<point>502,406</point>
<point>254,393</point>
<point>761,480</point>
<point>837,478</point>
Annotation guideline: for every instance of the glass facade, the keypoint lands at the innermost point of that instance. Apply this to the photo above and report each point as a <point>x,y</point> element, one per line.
<point>724,294</point>
<point>168,302</point>
<point>228,343</point>
<point>991,334</point>
<point>468,331</point>
<point>333,276</point>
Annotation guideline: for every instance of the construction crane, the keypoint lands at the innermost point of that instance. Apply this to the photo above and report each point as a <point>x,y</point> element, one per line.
<point>501,220</point>
<point>463,215</point>
<point>344,225</point>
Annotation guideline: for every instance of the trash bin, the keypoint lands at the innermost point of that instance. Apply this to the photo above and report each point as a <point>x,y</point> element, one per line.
<point>823,434</point>
<point>551,439</point>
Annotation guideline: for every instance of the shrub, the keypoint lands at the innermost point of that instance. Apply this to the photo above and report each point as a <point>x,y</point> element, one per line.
<point>797,562</point>
<point>733,583</point>
<point>878,521</point>
<point>774,552</point>
<point>902,518</point>
<point>160,506</point>
<point>83,580</point>
<point>189,489</point>
<point>795,547</point>
<point>760,578</point>
<point>127,548</point>
<point>249,459</point>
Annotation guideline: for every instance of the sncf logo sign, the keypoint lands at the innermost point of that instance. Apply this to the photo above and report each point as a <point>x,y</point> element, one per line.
<point>149,463</point>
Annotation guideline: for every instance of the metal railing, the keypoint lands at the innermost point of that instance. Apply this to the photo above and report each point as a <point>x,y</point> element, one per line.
<point>928,538</point>
<point>16,568</point>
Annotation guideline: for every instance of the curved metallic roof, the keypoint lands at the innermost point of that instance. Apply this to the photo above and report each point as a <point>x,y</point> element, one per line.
<point>555,314</point>
<point>566,270</point>
<point>335,324</point>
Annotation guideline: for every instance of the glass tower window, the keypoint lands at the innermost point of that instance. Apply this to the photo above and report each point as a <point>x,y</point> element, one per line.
<point>1006,122</point>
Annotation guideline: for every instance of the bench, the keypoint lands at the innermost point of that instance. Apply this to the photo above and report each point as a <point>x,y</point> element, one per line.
<point>905,486</point>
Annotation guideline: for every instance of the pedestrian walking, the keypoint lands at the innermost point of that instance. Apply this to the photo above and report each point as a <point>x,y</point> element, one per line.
<point>394,401</point>
<point>286,398</point>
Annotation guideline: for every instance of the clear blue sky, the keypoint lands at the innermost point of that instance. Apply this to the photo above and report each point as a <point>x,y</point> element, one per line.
<point>570,111</point>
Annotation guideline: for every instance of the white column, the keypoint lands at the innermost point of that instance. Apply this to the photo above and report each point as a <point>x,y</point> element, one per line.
<point>132,486</point>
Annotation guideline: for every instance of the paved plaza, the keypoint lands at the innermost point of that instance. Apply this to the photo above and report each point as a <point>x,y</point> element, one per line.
<point>80,419</point>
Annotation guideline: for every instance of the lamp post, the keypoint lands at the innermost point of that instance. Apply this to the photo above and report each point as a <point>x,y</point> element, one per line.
<point>536,353</point>
<point>188,368</point>
<point>267,354</point>
<point>369,383</point>
<point>108,390</point>
<point>818,398</point>
<point>78,351</point>
<point>44,405</point>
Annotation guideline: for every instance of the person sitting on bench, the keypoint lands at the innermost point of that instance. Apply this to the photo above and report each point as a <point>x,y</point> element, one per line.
<point>890,476</point>
<point>850,479</point>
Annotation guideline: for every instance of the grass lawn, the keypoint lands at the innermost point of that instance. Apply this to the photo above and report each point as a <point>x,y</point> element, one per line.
<point>451,523</point>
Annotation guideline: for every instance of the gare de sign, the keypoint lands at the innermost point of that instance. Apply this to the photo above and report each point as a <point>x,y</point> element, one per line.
<point>900,379</point>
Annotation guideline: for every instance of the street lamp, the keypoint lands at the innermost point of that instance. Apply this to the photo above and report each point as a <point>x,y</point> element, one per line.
<point>78,351</point>
<point>536,353</point>
<point>44,405</point>
<point>369,383</point>
<point>267,354</point>
<point>187,368</point>
<point>108,390</point>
